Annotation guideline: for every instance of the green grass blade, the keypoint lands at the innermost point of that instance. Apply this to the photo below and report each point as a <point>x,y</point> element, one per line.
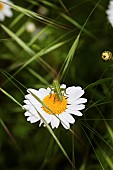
<point>16,20</point>
<point>31,52</point>
<point>41,53</point>
<point>98,82</point>
<point>107,159</point>
<point>10,77</point>
<point>11,97</point>
<point>93,149</point>
<point>77,25</point>
<point>44,81</point>
<point>109,129</point>
<point>68,60</point>
<point>37,35</point>
<point>97,134</point>
<point>18,40</point>
<point>9,133</point>
<point>38,17</point>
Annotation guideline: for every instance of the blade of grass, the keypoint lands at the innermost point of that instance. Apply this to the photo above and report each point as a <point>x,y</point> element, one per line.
<point>41,53</point>
<point>37,35</point>
<point>9,133</point>
<point>107,158</point>
<point>18,40</point>
<point>96,133</point>
<point>18,18</point>
<point>98,82</point>
<point>44,81</point>
<point>30,51</point>
<point>68,60</point>
<point>11,77</point>
<point>11,97</point>
<point>64,7</point>
<point>77,25</point>
<point>110,131</point>
<point>38,17</point>
<point>93,148</point>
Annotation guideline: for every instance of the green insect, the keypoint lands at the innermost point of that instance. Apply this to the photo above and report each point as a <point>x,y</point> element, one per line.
<point>58,90</point>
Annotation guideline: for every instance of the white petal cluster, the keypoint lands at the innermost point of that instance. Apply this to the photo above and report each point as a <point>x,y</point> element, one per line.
<point>5,10</point>
<point>109,12</point>
<point>75,105</point>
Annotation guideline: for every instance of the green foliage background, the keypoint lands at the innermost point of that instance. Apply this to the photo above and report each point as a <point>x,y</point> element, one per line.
<point>25,146</point>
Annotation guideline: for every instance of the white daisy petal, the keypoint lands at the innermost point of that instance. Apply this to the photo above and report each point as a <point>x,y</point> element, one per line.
<point>2,17</point>
<point>29,107</point>
<point>35,92</point>
<point>72,89</point>
<point>27,113</point>
<point>77,95</point>
<point>75,112</point>
<point>64,121</point>
<point>78,101</point>
<point>32,119</point>
<point>48,118</point>
<point>68,117</point>
<point>65,124</point>
<point>31,99</point>
<point>55,122</point>
<point>76,107</point>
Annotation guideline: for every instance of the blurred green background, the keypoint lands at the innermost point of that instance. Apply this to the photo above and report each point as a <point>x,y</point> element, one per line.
<point>25,146</point>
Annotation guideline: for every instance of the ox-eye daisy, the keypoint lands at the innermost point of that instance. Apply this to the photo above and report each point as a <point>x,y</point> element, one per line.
<point>5,10</point>
<point>62,111</point>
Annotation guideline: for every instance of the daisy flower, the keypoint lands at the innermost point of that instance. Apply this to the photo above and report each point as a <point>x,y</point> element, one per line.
<point>59,111</point>
<point>5,10</point>
<point>109,12</point>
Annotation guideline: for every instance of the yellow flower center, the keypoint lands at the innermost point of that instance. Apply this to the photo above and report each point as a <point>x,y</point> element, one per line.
<point>1,6</point>
<point>54,104</point>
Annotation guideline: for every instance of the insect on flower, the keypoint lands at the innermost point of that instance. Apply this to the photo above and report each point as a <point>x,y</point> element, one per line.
<point>106,56</point>
<point>55,104</point>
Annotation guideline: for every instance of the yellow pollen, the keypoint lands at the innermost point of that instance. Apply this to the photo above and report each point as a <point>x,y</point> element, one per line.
<point>54,104</point>
<point>1,6</point>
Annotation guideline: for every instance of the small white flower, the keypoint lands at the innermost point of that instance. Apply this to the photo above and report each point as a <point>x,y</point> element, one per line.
<point>72,104</point>
<point>109,12</point>
<point>5,10</point>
